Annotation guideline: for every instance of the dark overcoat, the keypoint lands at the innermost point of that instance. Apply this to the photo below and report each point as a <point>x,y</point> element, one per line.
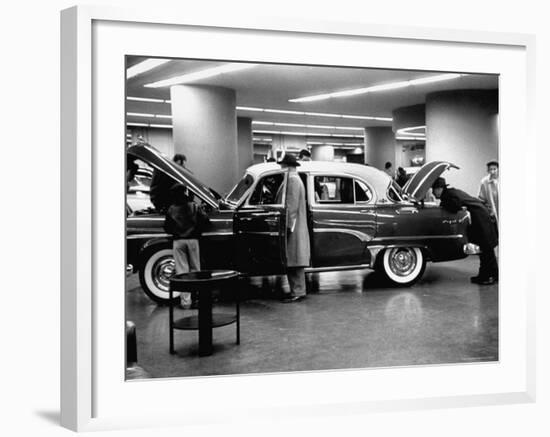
<point>482,230</point>
<point>297,242</point>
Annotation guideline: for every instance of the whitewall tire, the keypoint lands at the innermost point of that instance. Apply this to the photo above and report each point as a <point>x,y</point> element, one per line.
<point>154,275</point>
<point>403,265</point>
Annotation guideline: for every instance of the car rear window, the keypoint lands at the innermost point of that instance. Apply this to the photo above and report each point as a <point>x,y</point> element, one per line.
<point>334,189</point>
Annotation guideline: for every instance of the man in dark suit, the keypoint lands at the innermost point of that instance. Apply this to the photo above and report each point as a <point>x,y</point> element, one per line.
<point>482,230</point>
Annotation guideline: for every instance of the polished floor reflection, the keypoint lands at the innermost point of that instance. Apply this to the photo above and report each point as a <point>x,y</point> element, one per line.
<point>350,319</point>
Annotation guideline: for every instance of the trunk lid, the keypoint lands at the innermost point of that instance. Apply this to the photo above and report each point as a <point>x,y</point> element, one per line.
<point>419,184</point>
<point>158,161</point>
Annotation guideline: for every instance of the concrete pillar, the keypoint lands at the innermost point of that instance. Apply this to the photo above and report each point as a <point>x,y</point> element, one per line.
<point>380,146</point>
<point>462,128</point>
<point>322,153</point>
<point>205,130</point>
<point>245,144</point>
<point>407,117</point>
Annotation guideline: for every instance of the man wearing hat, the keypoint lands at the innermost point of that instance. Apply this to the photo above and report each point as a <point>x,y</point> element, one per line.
<point>297,235</point>
<point>481,230</point>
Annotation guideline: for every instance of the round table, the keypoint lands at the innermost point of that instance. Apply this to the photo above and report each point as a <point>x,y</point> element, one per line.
<point>204,282</point>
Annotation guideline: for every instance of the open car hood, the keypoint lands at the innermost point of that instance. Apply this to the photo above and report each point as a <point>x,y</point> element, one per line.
<point>419,184</point>
<point>179,174</point>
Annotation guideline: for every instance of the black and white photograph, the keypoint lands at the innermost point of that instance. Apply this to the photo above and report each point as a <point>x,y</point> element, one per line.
<point>298,218</point>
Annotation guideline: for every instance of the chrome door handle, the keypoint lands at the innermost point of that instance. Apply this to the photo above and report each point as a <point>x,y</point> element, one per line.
<point>407,210</point>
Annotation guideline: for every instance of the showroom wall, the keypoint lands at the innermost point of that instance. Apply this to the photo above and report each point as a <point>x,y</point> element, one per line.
<point>462,128</point>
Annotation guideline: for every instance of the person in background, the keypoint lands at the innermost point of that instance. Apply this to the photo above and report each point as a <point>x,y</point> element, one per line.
<point>297,237</point>
<point>180,159</point>
<point>184,221</point>
<point>488,189</point>
<point>304,155</point>
<point>161,184</point>
<point>480,232</point>
<point>388,169</point>
<point>131,171</point>
<point>401,177</point>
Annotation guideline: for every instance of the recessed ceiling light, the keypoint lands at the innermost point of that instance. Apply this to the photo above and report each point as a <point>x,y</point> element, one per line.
<point>197,75</point>
<point>144,66</point>
<point>376,88</point>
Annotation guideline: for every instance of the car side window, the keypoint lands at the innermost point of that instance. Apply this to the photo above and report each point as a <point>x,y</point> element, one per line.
<point>268,191</point>
<point>333,190</point>
<point>362,192</point>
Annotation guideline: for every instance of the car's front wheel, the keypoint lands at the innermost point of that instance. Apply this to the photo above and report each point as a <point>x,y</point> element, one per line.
<point>157,267</point>
<point>403,265</point>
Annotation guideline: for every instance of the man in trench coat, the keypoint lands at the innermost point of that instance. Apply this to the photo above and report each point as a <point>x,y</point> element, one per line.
<point>297,235</point>
<point>482,230</point>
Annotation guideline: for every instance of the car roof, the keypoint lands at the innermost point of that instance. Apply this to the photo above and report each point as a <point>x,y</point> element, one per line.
<point>379,179</point>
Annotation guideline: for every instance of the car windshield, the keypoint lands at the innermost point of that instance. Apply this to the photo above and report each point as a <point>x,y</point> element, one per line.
<point>240,189</point>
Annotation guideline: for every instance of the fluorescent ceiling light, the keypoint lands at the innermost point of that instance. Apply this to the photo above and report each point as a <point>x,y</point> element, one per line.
<point>248,108</point>
<point>377,88</point>
<point>284,111</point>
<point>410,138</point>
<point>308,126</point>
<point>141,114</point>
<point>146,99</point>
<point>162,126</point>
<point>312,114</point>
<point>324,114</point>
<point>203,74</point>
<point>144,66</point>
<point>304,134</point>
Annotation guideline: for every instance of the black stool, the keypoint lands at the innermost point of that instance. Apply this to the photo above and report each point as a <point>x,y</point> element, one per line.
<point>203,283</point>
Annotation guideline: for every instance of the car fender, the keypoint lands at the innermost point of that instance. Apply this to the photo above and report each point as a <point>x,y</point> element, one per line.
<point>164,240</point>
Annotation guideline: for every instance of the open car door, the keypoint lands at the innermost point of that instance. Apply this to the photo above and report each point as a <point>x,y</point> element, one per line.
<point>419,184</point>
<point>260,228</point>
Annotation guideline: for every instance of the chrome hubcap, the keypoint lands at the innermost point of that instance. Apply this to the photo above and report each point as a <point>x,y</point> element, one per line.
<point>162,271</point>
<point>402,261</point>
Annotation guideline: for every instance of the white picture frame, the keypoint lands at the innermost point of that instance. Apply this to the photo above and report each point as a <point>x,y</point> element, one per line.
<point>94,394</point>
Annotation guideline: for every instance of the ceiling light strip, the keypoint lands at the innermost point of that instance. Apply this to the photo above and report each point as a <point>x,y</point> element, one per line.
<point>144,66</point>
<point>377,88</point>
<point>312,114</point>
<point>198,75</point>
<point>305,134</point>
<point>146,99</point>
<point>161,126</point>
<point>141,114</point>
<point>309,126</point>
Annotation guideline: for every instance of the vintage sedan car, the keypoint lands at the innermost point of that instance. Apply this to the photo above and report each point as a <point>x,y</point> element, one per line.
<point>357,218</point>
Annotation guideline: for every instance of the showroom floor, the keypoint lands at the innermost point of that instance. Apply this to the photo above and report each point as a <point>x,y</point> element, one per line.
<point>350,319</point>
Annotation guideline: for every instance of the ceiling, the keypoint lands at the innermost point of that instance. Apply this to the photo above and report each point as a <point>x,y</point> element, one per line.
<point>272,85</point>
